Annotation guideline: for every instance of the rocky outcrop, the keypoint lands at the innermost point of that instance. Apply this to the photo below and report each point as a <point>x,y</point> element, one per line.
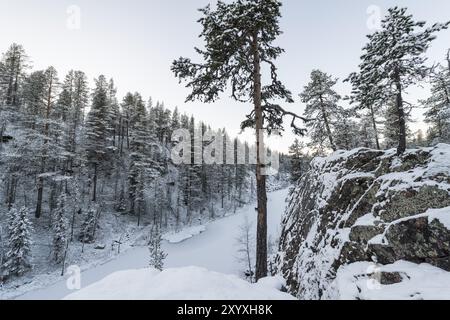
<point>366,206</point>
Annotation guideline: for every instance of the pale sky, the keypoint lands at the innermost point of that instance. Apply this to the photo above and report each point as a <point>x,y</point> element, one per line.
<point>135,42</point>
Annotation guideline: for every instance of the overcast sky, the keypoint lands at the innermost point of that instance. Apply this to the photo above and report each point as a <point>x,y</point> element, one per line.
<point>135,42</point>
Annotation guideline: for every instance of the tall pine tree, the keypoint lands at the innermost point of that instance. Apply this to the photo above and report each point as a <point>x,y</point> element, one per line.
<point>239,39</point>
<point>97,131</point>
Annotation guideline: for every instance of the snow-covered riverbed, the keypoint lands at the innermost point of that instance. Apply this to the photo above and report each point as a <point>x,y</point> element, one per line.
<point>214,249</point>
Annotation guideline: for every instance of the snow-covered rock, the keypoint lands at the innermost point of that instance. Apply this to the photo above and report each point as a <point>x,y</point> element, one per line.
<point>367,206</point>
<point>191,283</point>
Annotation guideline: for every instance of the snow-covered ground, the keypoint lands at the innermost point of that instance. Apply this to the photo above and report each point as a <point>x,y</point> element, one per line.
<point>419,282</point>
<point>214,249</point>
<point>189,283</point>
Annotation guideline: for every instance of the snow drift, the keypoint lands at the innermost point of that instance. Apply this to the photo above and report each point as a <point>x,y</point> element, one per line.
<point>367,216</point>
<point>191,283</point>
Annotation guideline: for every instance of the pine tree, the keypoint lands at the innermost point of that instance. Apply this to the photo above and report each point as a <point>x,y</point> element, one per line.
<point>394,59</point>
<point>2,83</point>
<point>80,99</point>
<point>14,64</point>
<point>321,107</point>
<point>50,130</point>
<point>239,39</point>
<point>97,131</point>
<point>33,97</point>
<point>71,104</point>
<point>59,226</point>
<point>18,257</point>
<point>157,255</point>
<point>114,114</point>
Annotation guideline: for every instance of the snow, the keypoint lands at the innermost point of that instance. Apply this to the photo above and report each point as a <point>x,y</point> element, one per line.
<point>184,234</point>
<point>214,249</point>
<point>420,282</point>
<point>367,220</point>
<point>189,283</point>
<point>416,178</point>
<point>442,215</point>
<point>378,239</point>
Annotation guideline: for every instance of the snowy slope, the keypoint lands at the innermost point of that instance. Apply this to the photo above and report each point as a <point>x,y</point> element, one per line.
<point>213,249</point>
<point>190,283</point>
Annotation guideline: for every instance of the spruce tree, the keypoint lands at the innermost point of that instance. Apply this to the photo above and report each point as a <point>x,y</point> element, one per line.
<point>143,166</point>
<point>297,156</point>
<point>239,39</point>
<point>18,257</point>
<point>157,255</point>
<point>59,227</point>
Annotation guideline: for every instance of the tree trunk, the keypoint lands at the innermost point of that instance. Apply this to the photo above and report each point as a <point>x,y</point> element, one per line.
<point>327,125</point>
<point>16,87</point>
<point>2,129</point>
<point>128,134</point>
<point>63,268</point>
<point>40,191</point>
<point>261,242</point>
<point>94,196</point>
<point>375,129</point>
<point>122,136</point>
<point>12,185</point>
<point>401,116</point>
<point>9,91</point>
<point>72,224</point>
